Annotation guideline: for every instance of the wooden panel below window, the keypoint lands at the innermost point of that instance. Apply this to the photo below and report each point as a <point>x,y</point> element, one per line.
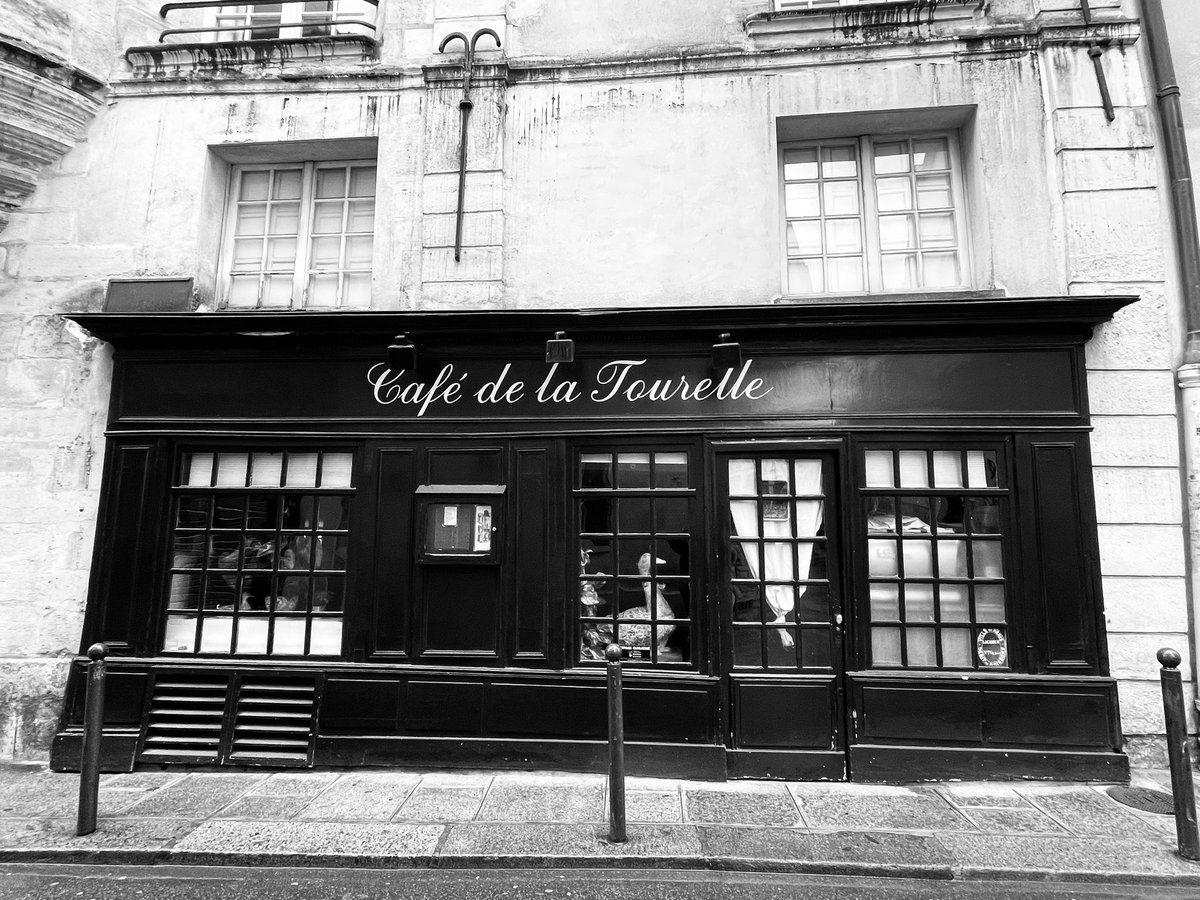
<point>1066,719</point>
<point>442,707</point>
<point>786,714</point>
<point>928,715</point>
<point>358,704</point>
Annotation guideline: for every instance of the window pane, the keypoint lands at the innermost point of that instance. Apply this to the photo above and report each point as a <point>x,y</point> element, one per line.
<point>356,289</point>
<point>251,219</point>
<point>285,218</point>
<point>331,183</point>
<point>933,191</point>
<point>952,559</point>
<point>327,217</point>
<point>885,602</point>
<point>841,198</point>
<point>881,558</point>
<point>326,637</point>
<point>989,560</point>
<point>941,270</point>
<point>937,230</point>
<point>277,290</point>
<point>335,472</point>
<point>953,603</point>
<point>885,646</point>
<point>247,255</point>
<point>801,163</point>
<point>199,469</point>
<point>891,158</point>
<point>633,470</point>
<point>931,153</point>
<point>232,469</point>
<point>804,237</point>
<point>914,470</point>
<point>899,271</point>
<point>897,233</point>
<point>361,216</point>
<point>893,194</point>
<point>801,200</point>
<point>322,290</point>
<point>216,634</point>
<point>595,470</point>
<point>947,468</point>
<point>358,252</point>
<point>921,646</point>
<point>266,469</point>
<point>251,635</point>
<point>287,184</point>
<point>289,637</point>
<point>879,468</point>
<point>181,634</point>
<point>956,648</point>
<point>806,276</point>
<point>981,469</point>
<point>989,604</point>
<point>362,181</point>
<point>302,470</point>
<point>254,185</point>
<point>670,470</point>
<point>326,253</point>
<point>281,253</point>
<point>918,603</point>
<point>841,236</point>
<point>839,162</point>
<point>845,274</point>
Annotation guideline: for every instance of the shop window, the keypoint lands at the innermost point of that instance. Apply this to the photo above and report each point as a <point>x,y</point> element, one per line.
<point>874,214</point>
<point>258,562</point>
<point>300,235</point>
<point>296,19</point>
<point>778,553</point>
<point>634,512</point>
<point>936,533</point>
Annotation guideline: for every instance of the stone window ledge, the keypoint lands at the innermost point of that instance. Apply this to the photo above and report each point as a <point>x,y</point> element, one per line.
<point>210,57</point>
<point>864,23</point>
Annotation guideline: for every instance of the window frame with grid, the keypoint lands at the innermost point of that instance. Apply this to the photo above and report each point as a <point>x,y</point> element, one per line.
<point>917,202</point>
<point>595,588</point>
<point>293,205</point>
<point>910,604</point>
<point>290,19</point>
<point>259,546</point>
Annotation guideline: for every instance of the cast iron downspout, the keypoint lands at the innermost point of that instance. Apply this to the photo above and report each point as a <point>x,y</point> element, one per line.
<point>1179,171</point>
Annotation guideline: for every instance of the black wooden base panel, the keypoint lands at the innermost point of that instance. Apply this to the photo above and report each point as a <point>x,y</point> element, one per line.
<point>117,750</point>
<point>899,764</point>
<point>798,765</point>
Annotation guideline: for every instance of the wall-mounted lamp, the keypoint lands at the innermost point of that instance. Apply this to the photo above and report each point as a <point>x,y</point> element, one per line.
<point>401,354</point>
<point>560,348</point>
<point>726,354</point>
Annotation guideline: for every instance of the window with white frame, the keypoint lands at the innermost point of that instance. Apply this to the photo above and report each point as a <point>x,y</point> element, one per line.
<point>300,235</point>
<point>296,19</point>
<point>874,214</point>
<point>789,5</point>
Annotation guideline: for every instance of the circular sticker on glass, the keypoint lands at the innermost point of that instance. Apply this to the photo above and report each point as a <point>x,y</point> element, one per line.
<point>991,647</point>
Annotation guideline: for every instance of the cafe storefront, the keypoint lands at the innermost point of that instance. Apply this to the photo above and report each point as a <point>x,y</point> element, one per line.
<point>835,541</point>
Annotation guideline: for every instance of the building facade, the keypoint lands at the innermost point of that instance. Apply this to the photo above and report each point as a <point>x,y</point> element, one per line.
<point>821,355</point>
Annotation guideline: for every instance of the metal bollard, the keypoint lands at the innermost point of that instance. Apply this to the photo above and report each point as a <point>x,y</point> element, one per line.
<point>93,726</point>
<point>1177,752</point>
<point>616,747</point>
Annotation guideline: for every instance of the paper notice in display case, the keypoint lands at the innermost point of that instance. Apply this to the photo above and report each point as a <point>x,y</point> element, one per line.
<point>483,529</point>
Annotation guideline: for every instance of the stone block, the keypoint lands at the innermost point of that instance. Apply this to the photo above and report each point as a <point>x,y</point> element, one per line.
<point>485,50</point>
<point>1142,550</point>
<point>1106,170</point>
<point>1132,656</point>
<point>1126,496</point>
<point>53,225</point>
<point>1114,236</point>
<point>461,9</point>
<point>418,43</point>
<point>479,229</point>
<point>1135,441</point>
<point>36,383</point>
<point>462,295</point>
<point>485,129</point>
<point>70,261</point>
<point>1073,83</point>
<point>1145,604</point>
<point>484,192</point>
<point>30,701</point>
<point>476,264</point>
<point>1142,707</point>
<point>1138,336</point>
<point>1146,393</point>
<point>1089,128</point>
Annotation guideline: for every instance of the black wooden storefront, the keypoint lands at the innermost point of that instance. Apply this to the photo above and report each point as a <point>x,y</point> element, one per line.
<point>872,543</point>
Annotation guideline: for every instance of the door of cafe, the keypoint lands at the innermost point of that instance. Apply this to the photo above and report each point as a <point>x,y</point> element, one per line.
<point>782,611</point>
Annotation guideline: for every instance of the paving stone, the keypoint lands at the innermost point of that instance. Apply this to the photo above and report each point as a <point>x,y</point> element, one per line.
<point>501,844</point>
<point>362,796</point>
<point>1062,856</point>
<point>289,784</point>
<point>878,853</point>
<point>38,794</point>
<point>196,796</point>
<point>548,800</point>
<point>261,808</point>
<point>1085,811</point>
<point>652,806</point>
<point>848,806</point>
<point>1012,821</point>
<point>741,807</point>
<point>131,835</point>
<point>140,781</point>
<point>982,794</point>
<point>442,804</point>
<point>292,843</point>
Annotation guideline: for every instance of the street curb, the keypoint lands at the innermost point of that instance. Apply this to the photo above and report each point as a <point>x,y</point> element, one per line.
<point>166,857</point>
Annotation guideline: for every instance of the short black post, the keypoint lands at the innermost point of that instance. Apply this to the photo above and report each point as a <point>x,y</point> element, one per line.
<point>1178,754</point>
<point>616,747</point>
<point>93,725</point>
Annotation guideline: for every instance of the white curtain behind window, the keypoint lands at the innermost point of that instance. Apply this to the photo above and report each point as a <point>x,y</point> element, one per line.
<point>777,532</point>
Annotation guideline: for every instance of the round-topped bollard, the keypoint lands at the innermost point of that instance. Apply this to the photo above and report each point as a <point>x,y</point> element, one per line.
<point>1169,658</point>
<point>613,652</point>
<point>97,652</point>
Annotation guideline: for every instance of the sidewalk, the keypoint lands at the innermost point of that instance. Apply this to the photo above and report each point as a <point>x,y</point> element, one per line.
<point>400,818</point>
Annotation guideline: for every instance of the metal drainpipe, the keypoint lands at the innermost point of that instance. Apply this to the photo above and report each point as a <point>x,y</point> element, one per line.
<point>1187,247</point>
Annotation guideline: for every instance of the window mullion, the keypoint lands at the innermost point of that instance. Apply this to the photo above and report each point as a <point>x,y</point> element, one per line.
<point>304,236</point>
<point>872,252</point>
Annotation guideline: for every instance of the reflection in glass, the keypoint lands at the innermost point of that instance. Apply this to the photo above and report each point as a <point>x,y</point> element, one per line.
<point>595,470</point>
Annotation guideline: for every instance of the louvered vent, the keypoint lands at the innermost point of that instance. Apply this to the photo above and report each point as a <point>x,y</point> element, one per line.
<point>273,724</point>
<point>185,718</point>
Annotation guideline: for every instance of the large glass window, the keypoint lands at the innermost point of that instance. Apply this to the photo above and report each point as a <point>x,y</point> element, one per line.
<point>936,521</point>
<point>300,236</point>
<point>873,214</point>
<point>778,550</point>
<point>258,562</point>
<point>634,512</point>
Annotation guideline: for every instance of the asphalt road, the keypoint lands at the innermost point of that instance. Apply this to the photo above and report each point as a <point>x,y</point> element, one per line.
<point>82,882</point>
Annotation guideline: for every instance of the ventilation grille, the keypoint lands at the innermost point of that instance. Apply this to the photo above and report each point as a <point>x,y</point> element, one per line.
<point>185,719</point>
<point>273,724</point>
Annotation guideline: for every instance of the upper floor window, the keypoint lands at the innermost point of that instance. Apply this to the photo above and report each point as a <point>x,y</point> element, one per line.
<point>874,214</point>
<point>300,235</point>
<point>296,19</point>
<point>789,5</point>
